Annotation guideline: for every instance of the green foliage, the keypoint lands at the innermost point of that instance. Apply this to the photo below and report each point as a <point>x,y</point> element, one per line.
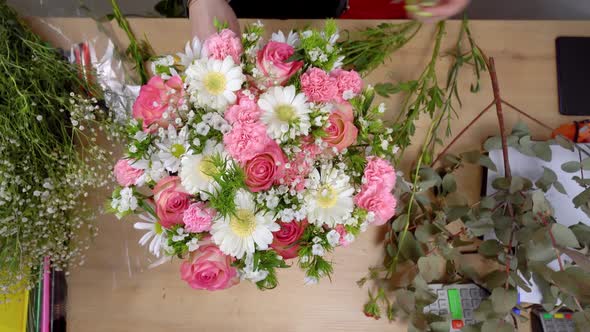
<point>268,260</point>
<point>139,51</point>
<point>230,178</point>
<point>376,44</point>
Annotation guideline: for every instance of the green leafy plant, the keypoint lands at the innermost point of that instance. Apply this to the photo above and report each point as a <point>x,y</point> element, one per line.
<point>428,239</point>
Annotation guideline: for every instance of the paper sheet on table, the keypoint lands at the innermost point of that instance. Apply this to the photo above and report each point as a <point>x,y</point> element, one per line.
<point>532,168</point>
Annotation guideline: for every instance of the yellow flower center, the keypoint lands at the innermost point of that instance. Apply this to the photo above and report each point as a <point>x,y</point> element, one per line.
<point>285,113</point>
<point>207,168</point>
<point>243,223</point>
<point>177,150</point>
<point>215,83</point>
<point>158,228</point>
<point>327,197</point>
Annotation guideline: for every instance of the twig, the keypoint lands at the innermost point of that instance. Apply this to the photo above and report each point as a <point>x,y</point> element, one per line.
<point>527,115</point>
<point>444,151</point>
<point>498,101</point>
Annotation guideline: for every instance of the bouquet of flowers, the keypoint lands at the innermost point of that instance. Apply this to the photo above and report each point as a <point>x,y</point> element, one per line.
<point>244,153</point>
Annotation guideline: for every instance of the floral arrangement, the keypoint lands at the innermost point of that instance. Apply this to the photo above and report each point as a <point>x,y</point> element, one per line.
<point>244,153</point>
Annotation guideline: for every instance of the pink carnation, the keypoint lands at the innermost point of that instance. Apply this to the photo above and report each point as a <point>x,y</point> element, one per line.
<point>379,173</point>
<point>245,140</point>
<point>246,111</point>
<point>223,44</point>
<point>380,202</point>
<point>126,174</point>
<point>198,218</point>
<point>349,84</point>
<point>318,86</point>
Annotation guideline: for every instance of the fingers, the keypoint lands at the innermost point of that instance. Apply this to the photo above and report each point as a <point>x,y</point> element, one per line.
<point>443,10</point>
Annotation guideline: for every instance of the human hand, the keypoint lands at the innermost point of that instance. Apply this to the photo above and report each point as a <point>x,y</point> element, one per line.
<point>433,11</point>
<point>202,13</point>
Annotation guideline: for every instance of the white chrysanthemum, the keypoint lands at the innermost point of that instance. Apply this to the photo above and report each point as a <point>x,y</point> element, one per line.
<point>292,38</point>
<point>155,234</point>
<point>192,52</point>
<point>329,197</point>
<point>173,148</point>
<point>285,113</point>
<point>196,170</point>
<point>246,230</point>
<point>213,83</point>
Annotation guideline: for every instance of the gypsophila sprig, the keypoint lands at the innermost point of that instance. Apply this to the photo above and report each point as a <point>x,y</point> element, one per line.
<point>250,153</point>
<point>50,159</point>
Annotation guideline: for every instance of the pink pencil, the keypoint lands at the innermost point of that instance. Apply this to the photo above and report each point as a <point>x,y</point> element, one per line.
<point>45,307</point>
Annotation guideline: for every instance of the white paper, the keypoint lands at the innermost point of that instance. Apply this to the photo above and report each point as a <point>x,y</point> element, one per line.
<point>532,168</point>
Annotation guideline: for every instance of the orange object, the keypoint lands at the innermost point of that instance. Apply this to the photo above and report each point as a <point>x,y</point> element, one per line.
<point>578,131</point>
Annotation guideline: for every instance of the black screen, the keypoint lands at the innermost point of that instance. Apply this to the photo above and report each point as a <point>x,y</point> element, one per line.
<point>573,75</point>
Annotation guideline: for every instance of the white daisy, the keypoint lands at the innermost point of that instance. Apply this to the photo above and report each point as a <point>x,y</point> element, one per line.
<point>285,113</point>
<point>196,170</point>
<point>155,233</point>
<point>153,170</point>
<point>173,148</point>
<point>329,196</point>
<point>246,230</point>
<point>192,51</point>
<point>292,38</point>
<point>213,83</point>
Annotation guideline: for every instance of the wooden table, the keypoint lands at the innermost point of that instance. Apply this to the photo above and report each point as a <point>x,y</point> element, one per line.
<point>115,292</point>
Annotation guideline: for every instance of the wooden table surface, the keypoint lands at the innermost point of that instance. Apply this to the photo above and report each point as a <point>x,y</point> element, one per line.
<point>114,291</point>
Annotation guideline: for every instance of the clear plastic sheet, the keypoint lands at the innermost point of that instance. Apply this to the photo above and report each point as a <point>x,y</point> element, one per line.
<point>93,43</point>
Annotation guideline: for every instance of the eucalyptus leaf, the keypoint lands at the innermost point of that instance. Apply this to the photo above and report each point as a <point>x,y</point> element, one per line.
<point>487,162</point>
<point>571,166</point>
<point>471,157</point>
<point>503,300</point>
<point>501,183</point>
<point>586,164</point>
<point>582,198</point>
<point>406,300</point>
<point>564,142</point>
<point>487,203</point>
<point>456,212</point>
<point>542,151</point>
<point>495,279</point>
<point>410,248</point>
<point>582,232</point>
<point>493,143</point>
<point>521,129</point>
<point>564,236</point>
<point>400,222</point>
<point>425,232</point>
<point>432,267</point>
<point>580,259</point>
<point>490,248</point>
<point>559,187</point>
<point>449,183</point>
<point>540,203</point>
<point>547,179</point>
<point>516,184</point>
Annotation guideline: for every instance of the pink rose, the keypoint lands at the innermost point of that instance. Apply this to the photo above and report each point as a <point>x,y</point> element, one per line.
<point>265,168</point>
<point>318,86</point>
<point>245,111</point>
<point>285,239</point>
<point>272,63</point>
<point>349,84</point>
<point>171,201</point>
<point>208,268</point>
<point>198,218</point>
<point>126,174</point>
<point>221,45</point>
<point>380,202</point>
<point>245,140</point>
<point>341,132</point>
<point>155,98</point>
<point>380,173</point>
